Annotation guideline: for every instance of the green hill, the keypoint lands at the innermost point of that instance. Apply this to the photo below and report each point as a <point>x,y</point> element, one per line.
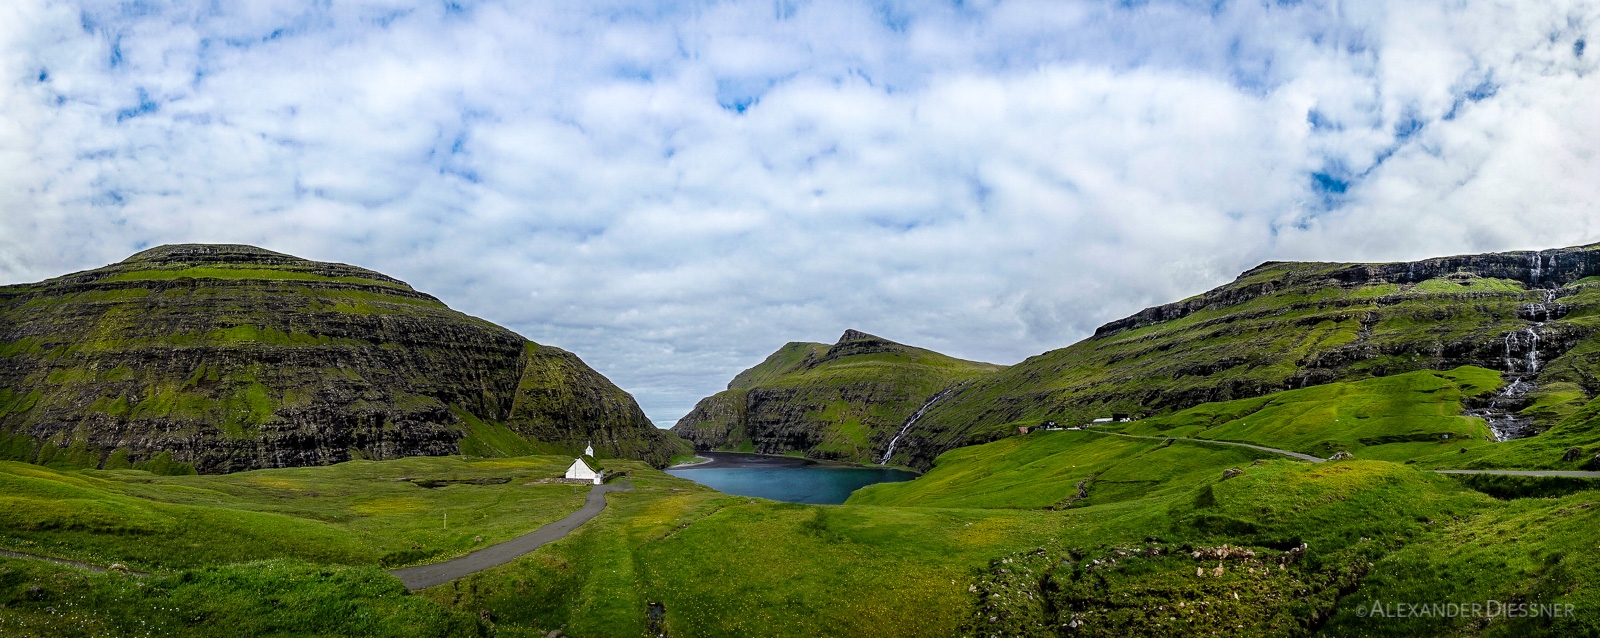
<point>847,401</point>
<point>222,358</point>
<point>1283,326</point>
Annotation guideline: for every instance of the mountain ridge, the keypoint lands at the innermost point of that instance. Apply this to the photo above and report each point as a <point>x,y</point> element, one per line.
<point>1284,325</point>
<point>232,357</point>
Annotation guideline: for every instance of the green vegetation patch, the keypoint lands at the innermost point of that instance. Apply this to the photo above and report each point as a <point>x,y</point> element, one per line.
<point>267,598</point>
<point>352,513</point>
<point>1391,418</point>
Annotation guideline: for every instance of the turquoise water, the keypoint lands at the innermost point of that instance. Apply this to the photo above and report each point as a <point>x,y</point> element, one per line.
<point>808,483</point>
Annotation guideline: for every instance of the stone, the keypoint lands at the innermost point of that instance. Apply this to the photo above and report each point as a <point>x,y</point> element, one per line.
<point>1341,456</point>
<point>1573,454</point>
<point>1231,472</point>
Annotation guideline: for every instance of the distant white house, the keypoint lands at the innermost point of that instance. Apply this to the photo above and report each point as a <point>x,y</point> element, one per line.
<point>583,472</point>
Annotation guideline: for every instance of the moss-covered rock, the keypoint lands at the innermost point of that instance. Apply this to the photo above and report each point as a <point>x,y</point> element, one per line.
<point>225,358</point>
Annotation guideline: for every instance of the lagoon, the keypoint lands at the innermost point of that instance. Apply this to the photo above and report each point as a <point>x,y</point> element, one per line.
<point>785,478</point>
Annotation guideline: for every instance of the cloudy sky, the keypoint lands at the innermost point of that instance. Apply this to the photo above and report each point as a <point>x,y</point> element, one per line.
<point>673,190</point>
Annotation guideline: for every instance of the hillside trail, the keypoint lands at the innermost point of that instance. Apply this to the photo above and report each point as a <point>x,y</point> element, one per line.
<point>1297,455</point>
<point>425,576</point>
<point>69,563</point>
<point>1313,459</point>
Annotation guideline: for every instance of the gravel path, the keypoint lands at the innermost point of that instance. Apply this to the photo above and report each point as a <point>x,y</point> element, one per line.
<point>63,561</point>
<point>425,576</point>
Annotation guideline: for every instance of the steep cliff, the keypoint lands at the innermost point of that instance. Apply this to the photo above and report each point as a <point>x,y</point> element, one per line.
<point>1284,325</point>
<point>229,358</point>
<point>847,401</point>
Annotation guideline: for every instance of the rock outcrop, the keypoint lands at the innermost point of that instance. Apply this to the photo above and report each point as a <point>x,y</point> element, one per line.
<point>231,358</point>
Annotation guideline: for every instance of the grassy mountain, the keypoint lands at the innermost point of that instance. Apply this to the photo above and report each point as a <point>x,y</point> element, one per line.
<point>223,358</point>
<point>843,401</point>
<point>1531,315</point>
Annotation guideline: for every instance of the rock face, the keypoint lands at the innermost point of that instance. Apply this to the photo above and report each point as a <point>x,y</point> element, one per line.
<point>232,358</point>
<point>1286,325</point>
<point>845,401</point>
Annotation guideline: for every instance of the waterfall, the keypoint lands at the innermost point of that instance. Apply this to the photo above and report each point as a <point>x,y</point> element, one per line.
<point>1533,350</point>
<point>1513,341</point>
<point>912,421</point>
<point>1536,271</point>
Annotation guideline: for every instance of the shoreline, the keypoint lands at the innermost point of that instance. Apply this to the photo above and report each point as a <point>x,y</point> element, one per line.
<point>698,460</point>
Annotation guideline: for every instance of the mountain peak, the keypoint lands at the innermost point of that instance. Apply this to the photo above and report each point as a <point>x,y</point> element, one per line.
<point>855,342</point>
<point>206,253</point>
<point>857,335</point>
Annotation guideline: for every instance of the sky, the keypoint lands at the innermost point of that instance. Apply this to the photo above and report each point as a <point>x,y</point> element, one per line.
<point>674,190</point>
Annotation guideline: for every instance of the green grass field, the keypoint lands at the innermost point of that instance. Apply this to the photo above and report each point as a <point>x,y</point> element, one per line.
<point>1389,418</point>
<point>356,513</point>
<point>1023,536</point>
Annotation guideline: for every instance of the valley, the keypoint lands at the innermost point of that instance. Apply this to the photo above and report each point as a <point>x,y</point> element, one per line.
<point>1290,487</point>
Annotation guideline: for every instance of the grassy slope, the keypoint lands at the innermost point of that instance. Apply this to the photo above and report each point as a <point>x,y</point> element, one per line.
<point>1377,531</point>
<point>1277,327</point>
<point>993,531</point>
<point>1045,469</point>
<point>1390,418</point>
<point>843,401</point>
<point>355,513</point>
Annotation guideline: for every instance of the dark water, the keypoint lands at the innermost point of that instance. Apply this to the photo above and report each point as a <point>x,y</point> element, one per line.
<point>785,478</point>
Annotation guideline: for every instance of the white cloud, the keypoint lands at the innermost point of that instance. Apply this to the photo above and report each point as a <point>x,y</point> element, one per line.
<point>674,191</point>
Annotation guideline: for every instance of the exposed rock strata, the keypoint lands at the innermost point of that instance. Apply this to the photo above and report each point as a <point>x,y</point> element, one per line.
<point>232,358</point>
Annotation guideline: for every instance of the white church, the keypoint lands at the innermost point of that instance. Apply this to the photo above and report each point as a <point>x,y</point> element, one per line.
<point>581,470</point>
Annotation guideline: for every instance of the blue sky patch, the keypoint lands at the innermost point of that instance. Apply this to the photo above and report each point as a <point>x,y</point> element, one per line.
<point>145,107</point>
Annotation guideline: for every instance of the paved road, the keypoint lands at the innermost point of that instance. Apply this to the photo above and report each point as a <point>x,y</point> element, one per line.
<point>1303,457</point>
<point>425,576</point>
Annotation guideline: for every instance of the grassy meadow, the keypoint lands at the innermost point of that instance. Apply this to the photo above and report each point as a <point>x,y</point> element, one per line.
<point>1064,533</point>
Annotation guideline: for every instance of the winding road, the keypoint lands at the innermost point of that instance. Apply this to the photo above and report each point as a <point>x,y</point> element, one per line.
<point>1313,459</point>
<point>425,576</point>
<point>1304,457</point>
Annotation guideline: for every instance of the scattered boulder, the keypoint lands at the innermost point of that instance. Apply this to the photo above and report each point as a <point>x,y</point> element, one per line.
<point>118,567</point>
<point>1341,456</point>
<point>1573,454</point>
<point>1231,472</point>
<point>1293,555</point>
